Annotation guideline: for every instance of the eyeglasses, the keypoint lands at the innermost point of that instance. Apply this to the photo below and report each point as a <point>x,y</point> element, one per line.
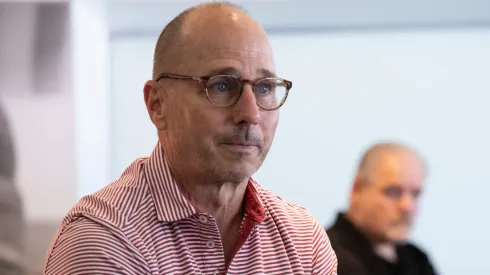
<point>225,90</point>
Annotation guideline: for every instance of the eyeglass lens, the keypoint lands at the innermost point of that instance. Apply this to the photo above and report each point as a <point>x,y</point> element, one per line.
<point>225,91</point>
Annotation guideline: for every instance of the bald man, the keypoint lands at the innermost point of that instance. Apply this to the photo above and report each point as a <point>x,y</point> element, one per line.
<point>192,206</point>
<point>371,237</point>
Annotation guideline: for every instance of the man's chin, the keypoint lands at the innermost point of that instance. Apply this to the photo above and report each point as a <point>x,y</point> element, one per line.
<point>399,237</point>
<point>235,171</point>
<point>236,165</point>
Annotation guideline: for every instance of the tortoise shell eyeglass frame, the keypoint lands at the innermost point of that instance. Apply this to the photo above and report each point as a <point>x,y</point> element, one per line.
<point>205,79</point>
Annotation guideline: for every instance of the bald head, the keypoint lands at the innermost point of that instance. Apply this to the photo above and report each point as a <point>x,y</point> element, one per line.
<point>372,159</point>
<point>176,38</point>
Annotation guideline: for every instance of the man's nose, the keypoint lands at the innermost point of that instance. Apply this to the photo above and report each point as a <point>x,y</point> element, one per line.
<point>246,108</point>
<point>407,203</point>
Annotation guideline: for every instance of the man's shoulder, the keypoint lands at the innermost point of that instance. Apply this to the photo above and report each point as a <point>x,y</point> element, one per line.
<point>415,251</point>
<point>335,233</point>
<point>105,221</point>
<point>417,255</point>
<point>336,236</point>
<point>116,202</point>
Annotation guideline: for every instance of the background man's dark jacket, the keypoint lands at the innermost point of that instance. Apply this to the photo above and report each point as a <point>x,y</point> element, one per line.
<point>356,255</point>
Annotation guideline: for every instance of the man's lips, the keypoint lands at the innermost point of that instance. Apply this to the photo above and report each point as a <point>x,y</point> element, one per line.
<point>242,143</point>
<point>242,147</point>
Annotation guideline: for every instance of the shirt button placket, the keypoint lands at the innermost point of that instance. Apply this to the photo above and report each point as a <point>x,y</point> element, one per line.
<point>209,244</point>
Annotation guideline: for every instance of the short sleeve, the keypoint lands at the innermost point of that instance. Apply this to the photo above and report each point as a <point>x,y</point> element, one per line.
<point>86,247</point>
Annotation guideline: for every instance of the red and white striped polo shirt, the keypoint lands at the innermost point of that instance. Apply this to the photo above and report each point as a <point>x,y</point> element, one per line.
<point>142,224</point>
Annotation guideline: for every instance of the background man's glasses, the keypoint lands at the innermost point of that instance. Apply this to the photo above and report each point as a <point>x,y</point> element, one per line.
<point>225,90</point>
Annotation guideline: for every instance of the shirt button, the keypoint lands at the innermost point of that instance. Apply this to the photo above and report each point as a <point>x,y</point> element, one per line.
<point>210,244</point>
<point>203,219</point>
<point>216,272</point>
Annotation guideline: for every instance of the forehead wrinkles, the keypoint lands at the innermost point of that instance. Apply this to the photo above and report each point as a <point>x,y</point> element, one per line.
<point>253,54</point>
<point>201,57</point>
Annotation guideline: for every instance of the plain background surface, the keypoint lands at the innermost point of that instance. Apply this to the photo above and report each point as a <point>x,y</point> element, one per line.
<point>428,88</point>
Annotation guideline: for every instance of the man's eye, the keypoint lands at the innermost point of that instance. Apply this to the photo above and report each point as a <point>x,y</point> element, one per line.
<point>263,89</point>
<point>393,192</point>
<point>221,87</point>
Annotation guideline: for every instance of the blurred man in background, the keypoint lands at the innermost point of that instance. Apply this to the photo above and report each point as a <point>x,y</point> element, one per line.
<point>11,212</point>
<point>371,237</point>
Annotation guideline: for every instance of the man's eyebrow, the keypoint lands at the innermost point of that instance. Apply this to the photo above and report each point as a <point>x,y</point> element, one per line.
<point>266,73</point>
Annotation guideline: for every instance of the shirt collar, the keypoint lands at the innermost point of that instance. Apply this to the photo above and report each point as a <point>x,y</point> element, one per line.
<point>172,205</point>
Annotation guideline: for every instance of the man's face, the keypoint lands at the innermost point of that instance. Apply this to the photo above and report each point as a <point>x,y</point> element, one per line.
<point>214,143</point>
<point>389,200</point>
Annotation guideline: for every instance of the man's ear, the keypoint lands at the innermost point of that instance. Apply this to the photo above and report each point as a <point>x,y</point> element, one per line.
<point>155,105</point>
<point>359,184</point>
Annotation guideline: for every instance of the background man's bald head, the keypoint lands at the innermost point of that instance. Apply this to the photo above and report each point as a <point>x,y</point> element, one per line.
<point>171,43</point>
<point>372,158</point>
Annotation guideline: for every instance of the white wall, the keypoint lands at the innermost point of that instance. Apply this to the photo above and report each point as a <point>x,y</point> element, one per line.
<point>428,88</point>
<point>133,133</point>
<point>149,16</point>
<point>91,79</point>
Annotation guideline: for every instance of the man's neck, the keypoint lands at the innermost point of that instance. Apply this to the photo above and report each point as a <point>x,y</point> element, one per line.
<point>224,201</point>
<point>386,251</point>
